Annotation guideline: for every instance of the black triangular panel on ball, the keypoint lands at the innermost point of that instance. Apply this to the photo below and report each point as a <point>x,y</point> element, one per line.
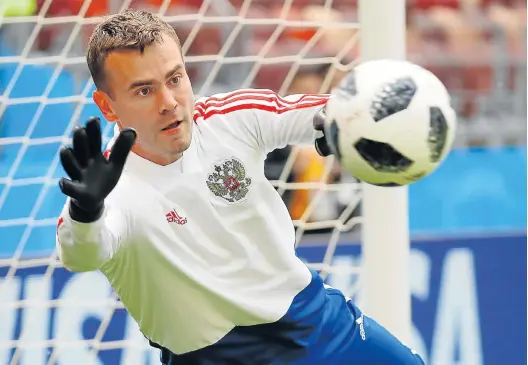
<point>392,98</point>
<point>381,156</point>
<point>437,133</point>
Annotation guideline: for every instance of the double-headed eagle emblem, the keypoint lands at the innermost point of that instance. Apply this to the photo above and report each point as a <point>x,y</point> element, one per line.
<point>229,180</point>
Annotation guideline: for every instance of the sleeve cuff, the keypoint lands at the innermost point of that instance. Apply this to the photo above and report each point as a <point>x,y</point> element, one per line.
<point>85,216</point>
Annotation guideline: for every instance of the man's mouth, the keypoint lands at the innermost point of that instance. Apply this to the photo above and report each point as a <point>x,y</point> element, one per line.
<point>172,126</point>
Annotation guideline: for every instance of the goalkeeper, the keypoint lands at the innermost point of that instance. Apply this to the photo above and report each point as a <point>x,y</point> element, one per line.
<point>180,218</point>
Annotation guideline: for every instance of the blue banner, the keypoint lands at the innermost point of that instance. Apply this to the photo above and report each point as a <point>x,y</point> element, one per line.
<point>468,296</point>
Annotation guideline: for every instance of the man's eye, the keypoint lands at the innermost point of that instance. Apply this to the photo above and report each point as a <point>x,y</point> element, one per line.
<point>144,92</point>
<point>176,80</point>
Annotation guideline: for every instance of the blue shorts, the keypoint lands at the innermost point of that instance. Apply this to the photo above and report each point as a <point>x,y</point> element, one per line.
<point>320,328</point>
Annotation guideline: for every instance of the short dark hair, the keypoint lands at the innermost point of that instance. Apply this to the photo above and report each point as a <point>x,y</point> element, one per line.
<point>130,29</point>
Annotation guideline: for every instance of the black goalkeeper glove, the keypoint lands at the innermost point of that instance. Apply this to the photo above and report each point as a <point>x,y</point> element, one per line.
<point>321,145</point>
<point>93,177</point>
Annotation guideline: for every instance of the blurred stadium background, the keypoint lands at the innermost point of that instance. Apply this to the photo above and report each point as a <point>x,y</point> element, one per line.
<point>468,219</point>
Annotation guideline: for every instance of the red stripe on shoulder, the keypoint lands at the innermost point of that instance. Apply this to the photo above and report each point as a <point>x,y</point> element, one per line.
<point>241,92</point>
<point>255,99</point>
<point>269,108</point>
<point>254,94</point>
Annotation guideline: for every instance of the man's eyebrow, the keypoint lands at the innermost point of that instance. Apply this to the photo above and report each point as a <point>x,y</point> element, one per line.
<point>139,83</point>
<point>174,70</point>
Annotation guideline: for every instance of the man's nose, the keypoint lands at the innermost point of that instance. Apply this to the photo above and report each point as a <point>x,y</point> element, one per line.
<point>167,103</point>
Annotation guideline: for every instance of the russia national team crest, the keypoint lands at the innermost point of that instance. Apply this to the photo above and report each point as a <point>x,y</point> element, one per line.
<point>229,180</point>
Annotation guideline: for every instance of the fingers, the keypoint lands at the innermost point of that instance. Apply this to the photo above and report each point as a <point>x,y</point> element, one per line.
<point>71,188</point>
<point>81,147</point>
<point>122,147</point>
<point>69,163</point>
<point>93,132</point>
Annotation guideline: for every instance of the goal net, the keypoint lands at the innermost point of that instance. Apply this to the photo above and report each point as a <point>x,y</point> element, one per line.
<point>51,316</point>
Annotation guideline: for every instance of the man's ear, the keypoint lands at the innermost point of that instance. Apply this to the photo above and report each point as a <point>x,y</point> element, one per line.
<point>103,102</point>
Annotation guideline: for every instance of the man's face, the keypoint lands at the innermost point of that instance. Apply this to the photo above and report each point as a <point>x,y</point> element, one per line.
<point>150,92</point>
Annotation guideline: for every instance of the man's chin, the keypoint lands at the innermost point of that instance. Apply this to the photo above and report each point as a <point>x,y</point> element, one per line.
<point>180,145</point>
<point>176,141</point>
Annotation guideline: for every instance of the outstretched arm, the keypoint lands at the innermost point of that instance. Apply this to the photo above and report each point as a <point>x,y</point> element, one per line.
<point>87,246</point>
<point>91,229</point>
<point>271,120</point>
<point>292,121</point>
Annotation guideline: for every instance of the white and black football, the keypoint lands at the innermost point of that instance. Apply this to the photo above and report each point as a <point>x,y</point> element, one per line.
<point>390,122</point>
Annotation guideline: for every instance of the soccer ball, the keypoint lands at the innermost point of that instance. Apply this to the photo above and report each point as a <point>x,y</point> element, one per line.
<point>390,122</point>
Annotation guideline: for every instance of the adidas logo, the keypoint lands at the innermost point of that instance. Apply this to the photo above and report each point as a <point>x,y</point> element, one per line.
<point>174,217</point>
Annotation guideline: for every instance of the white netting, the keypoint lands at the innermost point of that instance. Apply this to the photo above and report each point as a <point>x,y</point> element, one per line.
<point>47,315</point>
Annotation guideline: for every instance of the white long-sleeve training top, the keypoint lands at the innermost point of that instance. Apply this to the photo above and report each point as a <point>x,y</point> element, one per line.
<point>205,244</point>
